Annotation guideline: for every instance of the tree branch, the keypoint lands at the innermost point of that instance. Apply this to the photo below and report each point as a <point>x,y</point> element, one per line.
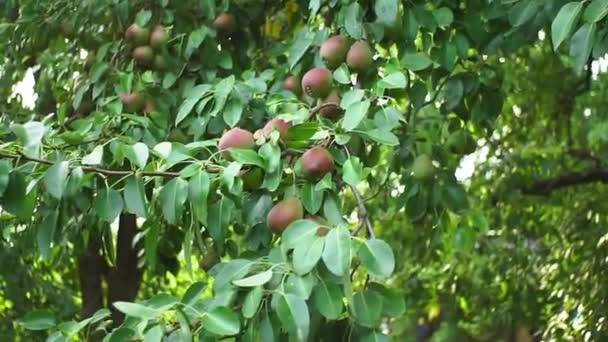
<point>105,172</point>
<point>318,108</point>
<point>546,186</point>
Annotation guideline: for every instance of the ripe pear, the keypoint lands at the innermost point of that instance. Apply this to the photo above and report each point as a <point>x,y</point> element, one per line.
<point>317,82</point>
<point>280,125</point>
<point>235,138</point>
<point>143,55</point>
<point>423,168</point>
<point>159,37</point>
<point>360,57</point>
<point>137,35</point>
<point>292,83</point>
<point>333,50</point>
<point>284,213</point>
<point>316,162</point>
<point>132,102</point>
<point>225,23</point>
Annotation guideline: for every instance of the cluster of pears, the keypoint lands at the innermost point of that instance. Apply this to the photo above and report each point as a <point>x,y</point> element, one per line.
<point>318,82</point>
<point>148,45</point>
<point>314,164</point>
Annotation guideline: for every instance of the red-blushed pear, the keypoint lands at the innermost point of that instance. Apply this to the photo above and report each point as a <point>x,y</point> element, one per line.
<point>284,213</point>
<point>317,82</point>
<point>132,102</point>
<point>137,35</point>
<point>280,125</point>
<point>331,112</point>
<point>360,57</point>
<point>292,83</point>
<point>225,23</point>
<point>333,50</point>
<point>159,37</point>
<point>150,106</point>
<point>143,55</point>
<point>316,162</point>
<point>235,138</point>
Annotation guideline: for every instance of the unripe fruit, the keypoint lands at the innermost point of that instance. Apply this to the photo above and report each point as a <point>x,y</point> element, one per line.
<point>331,112</point>
<point>317,82</point>
<point>137,35</point>
<point>280,125</point>
<point>235,138</point>
<point>225,23</point>
<point>423,167</point>
<point>159,63</point>
<point>284,213</point>
<point>333,50</point>
<point>316,162</point>
<point>360,57</point>
<point>132,102</point>
<point>292,83</point>
<point>143,55</point>
<point>159,37</point>
<point>461,142</point>
<point>252,179</point>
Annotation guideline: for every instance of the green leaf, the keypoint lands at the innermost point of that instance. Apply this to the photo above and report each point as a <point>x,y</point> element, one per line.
<point>332,210</point>
<point>95,157</point>
<point>303,131</point>
<point>172,197</point>
<point>374,336</point>
<point>232,112</point>
<point>387,11</point>
<point>393,302</point>
<point>394,80</point>
<point>383,137</point>
<point>443,16</point>
<point>416,61</point>
<point>30,133</point>
<point>195,39</point>
<point>355,114</point>
<point>327,298</point>
<point>300,286</point>
<point>56,178</point>
<point>307,255</point>
<point>452,93</point>
<point>522,12</point>
<point>46,232</point>
<point>377,256</point>
<point>108,204</point>
<point>5,169</point>
<point>246,156</point>
<point>137,310</point>
<point>38,320</point>
<point>455,197</point>
<point>352,171</point>
<point>312,199</point>
<point>219,217</point>
<point>301,43</point>
<point>353,20</point>
<point>221,321</point>
<point>337,252</point>
<point>366,306</point>
<point>564,22</point>
<point>254,280</point>
<point>235,269</point>
<point>580,46</point>
<point>222,89</point>
<point>299,232</point>
<point>193,293</point>
<point>135,196</point>
<point>342,74</point>
<point>596,11</point>
<point>351,96</point>
<point>252,302</point>
<point>154,334</point>
<point>198,191</point>
<point>293,314</point>
<point>137,154</point>
<point>464,239</point>
<point>143,17</point>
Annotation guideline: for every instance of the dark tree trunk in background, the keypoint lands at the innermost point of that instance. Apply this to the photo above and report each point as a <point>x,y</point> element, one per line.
<point>91,267</point>
<point>125,278</point>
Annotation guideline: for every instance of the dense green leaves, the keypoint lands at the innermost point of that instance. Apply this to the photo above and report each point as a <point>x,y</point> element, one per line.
<point>564,22</point>
<point>221,321</point>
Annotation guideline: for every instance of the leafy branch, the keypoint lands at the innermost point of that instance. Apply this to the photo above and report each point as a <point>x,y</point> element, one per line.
<point>363,215</point>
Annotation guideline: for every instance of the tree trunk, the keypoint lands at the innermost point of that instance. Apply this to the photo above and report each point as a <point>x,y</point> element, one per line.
<point>91,267</point>
<point>125,278</point>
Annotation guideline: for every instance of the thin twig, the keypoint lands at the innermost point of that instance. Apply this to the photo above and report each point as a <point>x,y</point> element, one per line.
<point>318,108</point>
<point>363,215</point>
<point>106,172</point>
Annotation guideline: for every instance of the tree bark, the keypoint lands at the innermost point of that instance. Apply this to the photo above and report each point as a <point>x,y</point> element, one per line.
<point>91,267</point>
<point>125,278</point>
